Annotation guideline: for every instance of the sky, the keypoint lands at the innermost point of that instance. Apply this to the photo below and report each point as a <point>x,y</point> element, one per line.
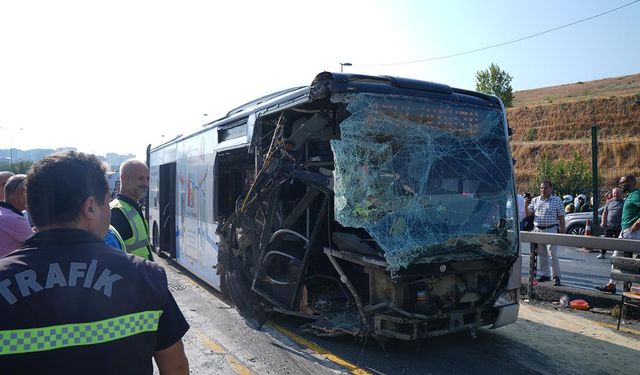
<point>116,76</point>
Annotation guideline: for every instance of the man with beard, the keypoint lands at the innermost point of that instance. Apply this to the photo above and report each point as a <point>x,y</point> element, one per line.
<point>126,212</point>
<point>630,222</point>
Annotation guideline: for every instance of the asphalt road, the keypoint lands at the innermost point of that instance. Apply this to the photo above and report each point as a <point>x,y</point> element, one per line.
<point>578,267</point>
<point>221,341</point>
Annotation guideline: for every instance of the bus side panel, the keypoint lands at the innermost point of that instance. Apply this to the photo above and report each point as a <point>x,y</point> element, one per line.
<point>199,251</point>
<point>197,248</point>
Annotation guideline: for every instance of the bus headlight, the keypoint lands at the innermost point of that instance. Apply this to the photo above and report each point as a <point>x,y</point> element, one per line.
<point>509,297</point>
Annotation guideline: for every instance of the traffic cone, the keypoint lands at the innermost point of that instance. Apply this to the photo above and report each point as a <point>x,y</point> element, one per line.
<point>587,232</point>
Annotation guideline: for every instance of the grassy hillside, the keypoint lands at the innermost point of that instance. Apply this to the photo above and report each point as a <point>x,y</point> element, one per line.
<point>580,91</point>
<point>557,121</point>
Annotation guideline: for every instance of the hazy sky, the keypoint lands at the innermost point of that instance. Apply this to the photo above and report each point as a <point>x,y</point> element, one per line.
<point>118,75</point>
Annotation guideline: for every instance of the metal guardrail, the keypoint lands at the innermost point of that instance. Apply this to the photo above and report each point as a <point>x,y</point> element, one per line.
<point>603,243</point>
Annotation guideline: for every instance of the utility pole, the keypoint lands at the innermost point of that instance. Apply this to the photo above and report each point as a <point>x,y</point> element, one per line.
<point>342,65</point>
<point>594,181</point>
<point>8,130</point>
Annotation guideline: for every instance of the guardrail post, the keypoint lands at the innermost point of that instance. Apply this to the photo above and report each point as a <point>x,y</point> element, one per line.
<point>533,261</point>
<point>594,181</point>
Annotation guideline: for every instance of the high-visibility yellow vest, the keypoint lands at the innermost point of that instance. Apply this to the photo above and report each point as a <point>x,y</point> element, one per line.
<point>138,244</point>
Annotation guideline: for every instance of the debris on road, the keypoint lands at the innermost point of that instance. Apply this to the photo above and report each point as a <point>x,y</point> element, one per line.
<point>579,304</point>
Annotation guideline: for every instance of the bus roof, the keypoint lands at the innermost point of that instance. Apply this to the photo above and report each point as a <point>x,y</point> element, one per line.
<point>343,83</point>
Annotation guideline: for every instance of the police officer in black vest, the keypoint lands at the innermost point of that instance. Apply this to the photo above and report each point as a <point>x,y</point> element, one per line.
<point>69,304</point>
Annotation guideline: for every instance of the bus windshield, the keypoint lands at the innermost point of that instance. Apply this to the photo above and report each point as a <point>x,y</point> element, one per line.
<point>429,180</point>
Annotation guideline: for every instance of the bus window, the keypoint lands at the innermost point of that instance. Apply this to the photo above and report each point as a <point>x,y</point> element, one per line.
<point>234,177</point>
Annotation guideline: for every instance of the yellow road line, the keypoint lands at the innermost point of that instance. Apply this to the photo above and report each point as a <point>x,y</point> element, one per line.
<point>622,328</point>
<point>320,350</point>
<point>217,348</point>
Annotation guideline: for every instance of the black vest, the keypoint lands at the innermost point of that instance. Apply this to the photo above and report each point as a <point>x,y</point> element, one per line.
<point>70,304</point>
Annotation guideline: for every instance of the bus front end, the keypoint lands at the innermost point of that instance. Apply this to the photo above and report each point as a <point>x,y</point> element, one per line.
<point>389,211</point>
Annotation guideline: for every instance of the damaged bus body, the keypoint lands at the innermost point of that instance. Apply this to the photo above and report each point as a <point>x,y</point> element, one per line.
<point>370,205</point>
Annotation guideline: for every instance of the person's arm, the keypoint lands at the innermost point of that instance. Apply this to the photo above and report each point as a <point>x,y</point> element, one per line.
<point>560,213</point>
<point>636,226</point>
<point>603,222</point>
<point>172,360</point>
<point>528,207</point>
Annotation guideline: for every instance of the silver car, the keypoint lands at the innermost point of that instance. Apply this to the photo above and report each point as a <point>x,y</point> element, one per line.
<point>576,222</point>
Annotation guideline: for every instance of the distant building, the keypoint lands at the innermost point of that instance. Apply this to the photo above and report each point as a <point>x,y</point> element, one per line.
<point>112,159</point>
<point>114,182</point>
<point>116,159</point>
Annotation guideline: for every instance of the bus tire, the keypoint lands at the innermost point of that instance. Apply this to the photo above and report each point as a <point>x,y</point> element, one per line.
<point>223,280</point>
<point>154,242</point>
<point>243,297</point>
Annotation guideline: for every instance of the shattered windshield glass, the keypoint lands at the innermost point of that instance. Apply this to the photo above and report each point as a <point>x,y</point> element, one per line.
<point>429,180</point>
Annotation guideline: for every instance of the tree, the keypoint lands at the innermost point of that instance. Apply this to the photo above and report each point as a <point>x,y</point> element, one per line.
<point>568,176</point>
<point>497,82</point>
<point>20,166</point>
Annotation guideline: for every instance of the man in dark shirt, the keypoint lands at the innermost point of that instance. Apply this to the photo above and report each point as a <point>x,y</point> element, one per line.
<point>126,213</point>
<point>69,304</point>
<point>612,217</point>
<point>630,223</point>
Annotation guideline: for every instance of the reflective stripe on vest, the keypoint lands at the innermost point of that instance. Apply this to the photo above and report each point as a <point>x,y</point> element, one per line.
<point>138,244</point>
<point>61,336</point>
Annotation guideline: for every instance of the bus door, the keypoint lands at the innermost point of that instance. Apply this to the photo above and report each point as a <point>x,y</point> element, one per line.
<point>167,198</point>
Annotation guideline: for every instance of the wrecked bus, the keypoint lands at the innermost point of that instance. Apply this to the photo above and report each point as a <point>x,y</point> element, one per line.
<point>370,205</point>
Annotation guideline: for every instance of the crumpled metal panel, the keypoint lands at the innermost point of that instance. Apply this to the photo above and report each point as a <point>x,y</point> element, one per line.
<point>429,180</point>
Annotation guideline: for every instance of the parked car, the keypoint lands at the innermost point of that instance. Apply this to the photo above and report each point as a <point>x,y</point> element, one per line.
<point>576,222</point>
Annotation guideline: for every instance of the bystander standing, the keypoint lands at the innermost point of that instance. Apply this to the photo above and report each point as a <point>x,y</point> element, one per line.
<point>612,217</point>
<point>126,211</point>
<point>548,217</point>
<point>14,227</point>
<point>630,222</point>
<point>4,176</point>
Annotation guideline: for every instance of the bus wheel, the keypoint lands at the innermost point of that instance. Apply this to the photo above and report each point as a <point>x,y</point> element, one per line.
<point>245,301</point>
<point>154,243</point>
<point>222,272</point>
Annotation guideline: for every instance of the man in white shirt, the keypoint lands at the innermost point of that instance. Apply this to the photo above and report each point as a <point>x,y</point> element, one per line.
<point>549,218</point>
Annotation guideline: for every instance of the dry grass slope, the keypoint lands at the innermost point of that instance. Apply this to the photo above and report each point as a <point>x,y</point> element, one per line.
<point>557,121</point>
